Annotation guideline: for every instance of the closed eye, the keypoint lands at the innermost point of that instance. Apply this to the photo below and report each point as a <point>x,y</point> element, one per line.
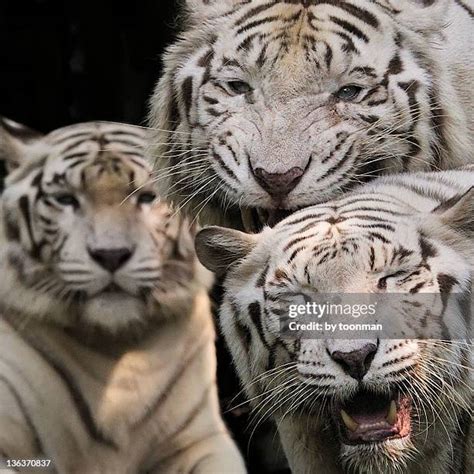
<point>239,87</point>
<point>147,197</point>
<point>66,199</point>
<point>382,283</point>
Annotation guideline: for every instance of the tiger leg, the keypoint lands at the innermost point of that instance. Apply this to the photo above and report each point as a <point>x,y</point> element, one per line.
<point>17,437</point>
<point>214,455</point>
<point>217,455</point>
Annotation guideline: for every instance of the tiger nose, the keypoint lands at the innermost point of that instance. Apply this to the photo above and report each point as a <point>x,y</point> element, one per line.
<point>356,363</point>
<point>111,259</point>
<point>279,185</point>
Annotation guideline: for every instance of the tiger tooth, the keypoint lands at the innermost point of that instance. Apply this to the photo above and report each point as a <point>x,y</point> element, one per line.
<point>349,422</point>
<point>392,413</point>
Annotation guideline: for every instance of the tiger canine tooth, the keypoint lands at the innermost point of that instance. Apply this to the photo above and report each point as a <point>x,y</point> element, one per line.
<point>348,421</point>
<point>392,413</point>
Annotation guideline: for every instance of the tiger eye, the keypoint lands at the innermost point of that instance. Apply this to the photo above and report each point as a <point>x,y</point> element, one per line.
<point>348,93</point>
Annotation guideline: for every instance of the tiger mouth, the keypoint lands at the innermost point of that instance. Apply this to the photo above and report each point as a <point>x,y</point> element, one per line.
<point>254,219</point>
<point>368,417</point>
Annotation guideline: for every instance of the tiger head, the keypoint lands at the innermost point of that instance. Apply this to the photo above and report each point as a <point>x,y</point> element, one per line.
<point>275,105</point>
<point>86,243</point>
<point>383,400</point>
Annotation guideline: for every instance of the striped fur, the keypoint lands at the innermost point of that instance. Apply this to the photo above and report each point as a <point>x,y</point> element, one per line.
<point>401,234</point>
<point>107,360</point>
<point>251,111</point>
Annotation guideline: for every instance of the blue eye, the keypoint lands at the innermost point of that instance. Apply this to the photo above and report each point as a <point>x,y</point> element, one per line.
<point>146,198</point>
<point>348,93</point>
<point>239,87</point>
<point>66,200</point>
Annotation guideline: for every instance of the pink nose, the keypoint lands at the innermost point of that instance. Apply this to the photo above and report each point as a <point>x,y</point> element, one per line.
<point>279,185</point>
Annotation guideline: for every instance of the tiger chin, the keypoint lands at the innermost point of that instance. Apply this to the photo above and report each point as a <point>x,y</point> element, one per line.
<point>396,401</point>
<point>106,333</point>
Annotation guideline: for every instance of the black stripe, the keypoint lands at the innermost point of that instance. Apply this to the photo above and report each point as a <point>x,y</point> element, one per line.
<point>263,275</point>
<point>254,11</point>
<point>437,124</point>
<point>187,95</point>
<point>210,100</point>
<point>255,23</point>
<point>220,161</point>
<point>417,287</point>
<point>24,206</point>
<point>376,226</point>
<point>75,144</point>
<point>302,219</point>
<point>350,28</point>
<point>126,133</point>
<point>467,8</point>
<point>214,112</point>
<point>182,367</point>
<point>328,56</point>
<point>63,139</point>
<point>193,413</point>
<point>255,314</point>
<point>339,144</point>
<point>36,438</point>
<point>247,42</point>
<point>80,403</point>
<point>360,13</point>
<point>75,155</point>
<point>395,66</point>
<point>243,332</point>
<point>366,70</point>
<point>262,56</point>
<point>349,45</point>
<point>129,143</point>
<point>338,165</point>
<point>379,236</point>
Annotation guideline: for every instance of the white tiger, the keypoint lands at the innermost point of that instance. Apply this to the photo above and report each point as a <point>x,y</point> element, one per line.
<point>267,106</point>
<point>371,405</point>
<point>107,359</point>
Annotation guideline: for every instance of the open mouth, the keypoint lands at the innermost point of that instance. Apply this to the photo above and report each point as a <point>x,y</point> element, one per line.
<point>370,418</point>
<point>255,219</point>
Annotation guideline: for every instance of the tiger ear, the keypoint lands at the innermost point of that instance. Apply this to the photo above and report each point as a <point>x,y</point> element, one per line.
<point>16,141</point>
<point>458,212</point>
<point>423,16</point>
<point>218,248</point>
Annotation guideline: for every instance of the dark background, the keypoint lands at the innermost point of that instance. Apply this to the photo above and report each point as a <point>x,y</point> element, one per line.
<point>77,60</point>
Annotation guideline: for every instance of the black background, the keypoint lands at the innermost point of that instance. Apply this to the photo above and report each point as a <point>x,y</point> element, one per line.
<point>77,60</point>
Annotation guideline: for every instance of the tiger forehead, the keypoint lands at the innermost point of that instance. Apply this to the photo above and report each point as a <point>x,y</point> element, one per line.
<point>108,173</point>
<point>307,22</point>
<point>316,45</point>
<point>97,171</point>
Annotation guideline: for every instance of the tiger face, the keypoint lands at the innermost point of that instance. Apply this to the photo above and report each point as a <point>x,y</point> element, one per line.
<point>282,104</point>
<point>385,403</point>
<point>85,238</point>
